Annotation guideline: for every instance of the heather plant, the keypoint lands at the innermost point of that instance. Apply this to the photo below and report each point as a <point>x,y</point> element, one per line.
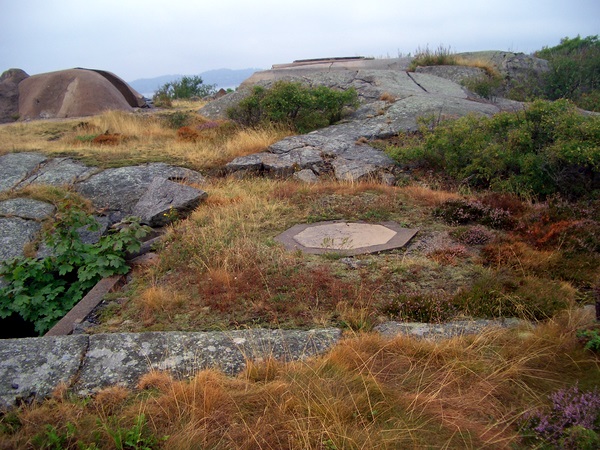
<point>474,235</point>
<point>295,105</point>
<point>573,421</point>
<point>465,211</point>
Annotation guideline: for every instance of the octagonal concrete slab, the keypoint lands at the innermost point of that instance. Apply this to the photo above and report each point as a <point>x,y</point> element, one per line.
<point>348,238</point>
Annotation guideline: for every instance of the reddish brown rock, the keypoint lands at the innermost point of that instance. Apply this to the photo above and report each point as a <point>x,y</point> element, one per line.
<point>74,93</point>
<point>9,94</point>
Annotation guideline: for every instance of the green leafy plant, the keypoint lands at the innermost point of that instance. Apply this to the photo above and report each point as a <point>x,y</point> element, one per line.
<point>43,290</point>
<point>54,439</point>
<point>135,438</point>
<point>297,106</point>
<point>591,339</point>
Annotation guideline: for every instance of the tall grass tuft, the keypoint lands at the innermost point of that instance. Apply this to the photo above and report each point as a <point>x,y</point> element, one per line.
<point>367,392</point>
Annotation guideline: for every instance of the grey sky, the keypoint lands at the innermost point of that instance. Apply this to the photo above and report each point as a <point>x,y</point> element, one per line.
<point>146,38</point>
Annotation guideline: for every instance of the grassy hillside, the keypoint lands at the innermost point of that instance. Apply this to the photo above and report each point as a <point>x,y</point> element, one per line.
<point>483,250</point>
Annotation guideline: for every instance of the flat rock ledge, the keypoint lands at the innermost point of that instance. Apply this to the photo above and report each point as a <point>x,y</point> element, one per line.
<point>31,368</point>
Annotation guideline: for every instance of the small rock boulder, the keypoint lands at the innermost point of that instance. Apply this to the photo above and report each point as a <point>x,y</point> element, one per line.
<point>164,199</point>
<point>74,93</point>
<point>9,94</point>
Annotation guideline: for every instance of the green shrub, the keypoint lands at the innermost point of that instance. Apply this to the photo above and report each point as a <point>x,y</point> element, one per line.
<point>294,105</point>
<point>548,148</point>
<point>186,87</point>
<point>574,71</point>
<point>506,294</point>
<point>42,291</point>
<point>177,119</point>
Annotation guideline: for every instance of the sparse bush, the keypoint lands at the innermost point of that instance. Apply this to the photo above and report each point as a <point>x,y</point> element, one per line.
<point>294,105</point>
<point>590,338</point>
<point>177,119</point>
<point>184,88</point>
<point>433,308</point>
<point>187,134</point>
<point>486,86</point>
<point>107,139</point>
<point>506,294</point>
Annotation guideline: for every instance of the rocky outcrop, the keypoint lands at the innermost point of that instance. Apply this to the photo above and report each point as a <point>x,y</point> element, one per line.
<point>9,94</point>
<point>75,93</point>
<point>391,100</point>
<point>149,191</point>
<point>30,369</point>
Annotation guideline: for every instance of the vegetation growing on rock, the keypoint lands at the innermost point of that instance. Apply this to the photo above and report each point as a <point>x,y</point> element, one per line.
<point>549,148</point>
<point>294,105</point>
<point>509,221</point>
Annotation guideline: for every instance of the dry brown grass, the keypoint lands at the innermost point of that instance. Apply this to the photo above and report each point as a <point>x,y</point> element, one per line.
<point>480,63</point>
<point>136,138</point>
<point>426,196</point>
<point>367,392</point>
<point>157,299</point>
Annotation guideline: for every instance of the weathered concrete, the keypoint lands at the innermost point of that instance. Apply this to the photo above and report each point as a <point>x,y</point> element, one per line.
<point>433,331</point>
<point>32,368</point>
<point>84,307</point>
<point>347,238</point>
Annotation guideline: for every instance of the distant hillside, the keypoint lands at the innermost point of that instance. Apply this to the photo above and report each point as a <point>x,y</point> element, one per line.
<point>223,78</point>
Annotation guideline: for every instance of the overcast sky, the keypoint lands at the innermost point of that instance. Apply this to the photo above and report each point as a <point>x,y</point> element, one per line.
<point>147,38</point>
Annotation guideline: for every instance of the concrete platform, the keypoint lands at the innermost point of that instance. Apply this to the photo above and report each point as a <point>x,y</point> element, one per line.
<point>348,238</point>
